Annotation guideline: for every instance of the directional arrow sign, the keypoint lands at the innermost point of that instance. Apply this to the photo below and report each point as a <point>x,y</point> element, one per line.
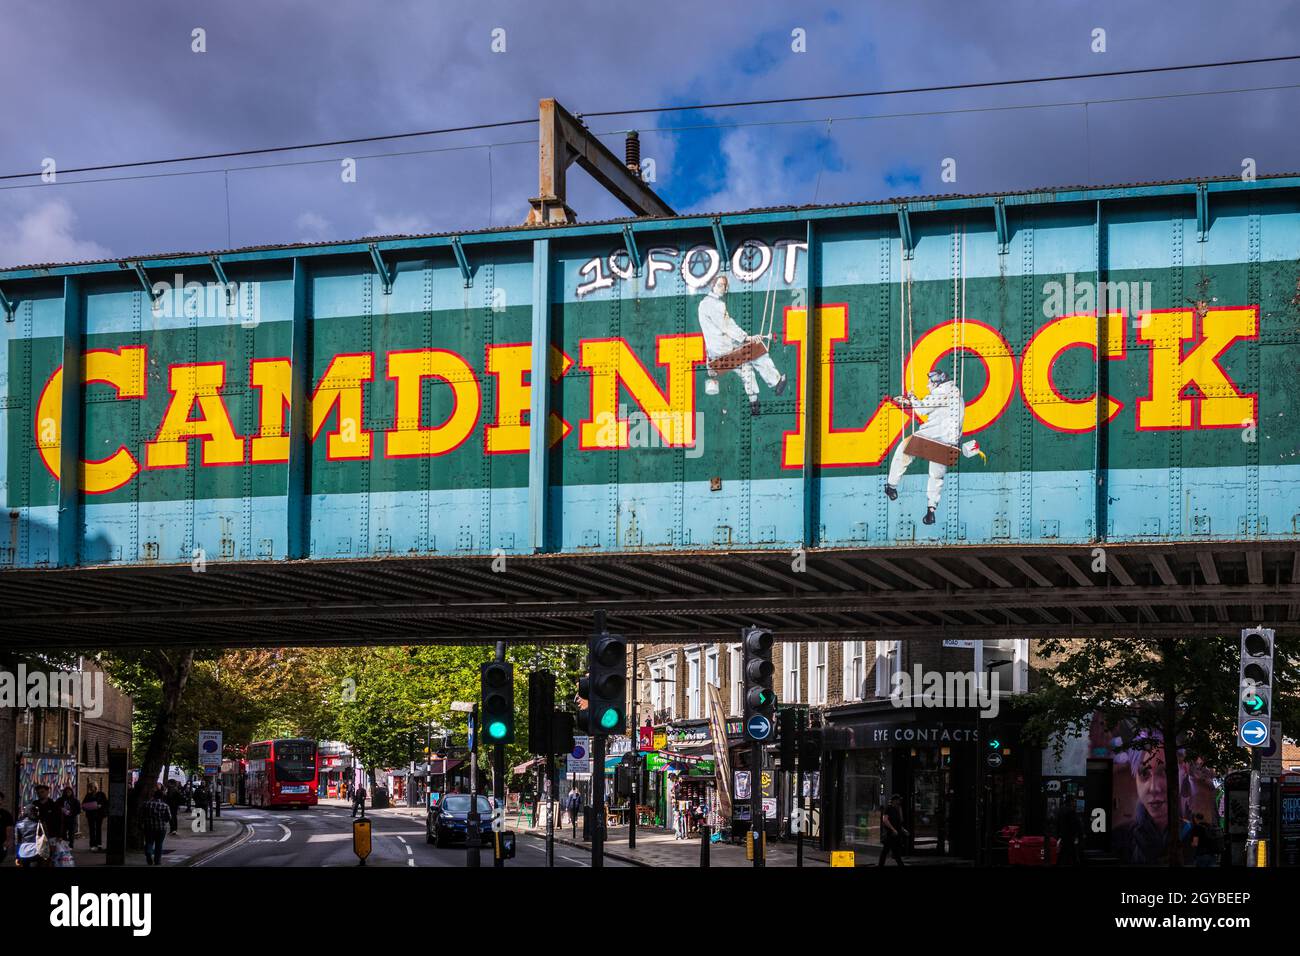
<point>1254,732</point>
<point>1254,703</point>
<point>759,727</point>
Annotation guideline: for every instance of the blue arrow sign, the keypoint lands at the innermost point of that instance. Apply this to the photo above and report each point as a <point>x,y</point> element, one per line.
<point>1253,732</point>
<point>759,727</point>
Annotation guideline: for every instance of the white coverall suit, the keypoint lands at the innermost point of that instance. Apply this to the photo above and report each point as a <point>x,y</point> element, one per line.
<point>946,412</point>
<point>723,335</point>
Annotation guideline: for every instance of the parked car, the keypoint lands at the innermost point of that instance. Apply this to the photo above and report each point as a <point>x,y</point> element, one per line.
<point>447,820</point>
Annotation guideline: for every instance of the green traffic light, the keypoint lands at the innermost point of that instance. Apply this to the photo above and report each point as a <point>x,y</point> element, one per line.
<point>995,744</point>
<point>496,729</point>
<point>609,719</point>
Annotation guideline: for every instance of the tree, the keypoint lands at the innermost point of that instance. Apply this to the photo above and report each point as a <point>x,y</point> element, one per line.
<point>1165,694</point>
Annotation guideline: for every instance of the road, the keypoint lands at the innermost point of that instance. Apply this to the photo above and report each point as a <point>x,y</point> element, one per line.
<point>322,836</point>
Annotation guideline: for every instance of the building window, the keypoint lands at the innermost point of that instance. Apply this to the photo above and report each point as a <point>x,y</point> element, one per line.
<point>790,689</point>
<point>1005,659</point>
<point>670,689</point>
<point>693,710</point>
<point>855,670</point>
<point>656,690</point>
<point>818,653</point>
<point>710,676</point>
<point>737,680</point>
<point>889,656</point>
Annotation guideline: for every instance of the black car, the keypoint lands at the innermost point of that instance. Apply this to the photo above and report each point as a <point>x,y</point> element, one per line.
<point>448,819</point>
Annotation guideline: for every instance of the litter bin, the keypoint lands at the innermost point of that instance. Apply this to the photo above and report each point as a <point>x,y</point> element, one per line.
<point>379,799</point>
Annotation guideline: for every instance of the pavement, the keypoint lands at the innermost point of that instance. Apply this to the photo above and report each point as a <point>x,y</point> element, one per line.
<point>182,848</point>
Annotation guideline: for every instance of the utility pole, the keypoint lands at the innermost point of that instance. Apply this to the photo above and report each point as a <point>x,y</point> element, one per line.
<point>473,834</point>
<point>499,785</point>
<point>597,777</point>
<point>635,768</point>
<point>798,762</point>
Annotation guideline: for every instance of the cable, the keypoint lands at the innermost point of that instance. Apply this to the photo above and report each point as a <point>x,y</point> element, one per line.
<point>277,149</point>
<point>987,84</point>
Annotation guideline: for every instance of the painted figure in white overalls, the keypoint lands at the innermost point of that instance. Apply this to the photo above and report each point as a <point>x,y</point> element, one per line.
<point>945,411</point>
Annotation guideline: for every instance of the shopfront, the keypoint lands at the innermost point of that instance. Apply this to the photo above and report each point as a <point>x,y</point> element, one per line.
<point>936,759</point>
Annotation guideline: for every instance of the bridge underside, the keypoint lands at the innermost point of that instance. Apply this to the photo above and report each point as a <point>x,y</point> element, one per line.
<point>921,593</point>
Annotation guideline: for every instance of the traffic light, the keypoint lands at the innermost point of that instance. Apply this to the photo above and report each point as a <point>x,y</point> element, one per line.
<point>1254,702</point>
<point>810,751</point>
<point>497,680</point>
<point>561,732</point>
<point>605,686</point>
<point>787,733</point>
<point>760,699</point>
<point>541,708</point>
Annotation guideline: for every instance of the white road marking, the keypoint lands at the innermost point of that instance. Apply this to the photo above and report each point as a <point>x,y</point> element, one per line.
<point>287,832</point>
<point>409,851</point>
<point>402,838</point>
<point>410,863</point>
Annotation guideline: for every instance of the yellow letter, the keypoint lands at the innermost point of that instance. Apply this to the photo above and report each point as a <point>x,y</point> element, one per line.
<point>1049,343</point>
<point>272,378</point>
<point>612,363</point>
<point>510,364</point>
<point>1220,404</point>
<point>189,384</point>
<point>408,370</point>
<point>341,386</point>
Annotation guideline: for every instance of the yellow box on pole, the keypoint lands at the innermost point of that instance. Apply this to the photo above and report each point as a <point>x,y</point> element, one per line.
<point>1261,853</point>
<point>361,839</point>
<point>749,845</point>
<point>842,858</point>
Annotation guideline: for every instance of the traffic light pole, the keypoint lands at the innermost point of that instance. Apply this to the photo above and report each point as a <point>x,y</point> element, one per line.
<point>756,800</point>
<point>1253,815</point>
<point>473,832</point>
<point>635,769</point>
<point>798,762</point>
<point>598,801</point>
<point>550,810</point>
<point>499,786</point>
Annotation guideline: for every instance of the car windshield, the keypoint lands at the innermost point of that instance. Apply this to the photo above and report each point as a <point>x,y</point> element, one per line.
<point>459,803</point>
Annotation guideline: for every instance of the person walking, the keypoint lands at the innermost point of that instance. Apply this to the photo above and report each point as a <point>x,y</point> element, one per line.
<point>359,801</point>
<point>27,832</point>
<point>69,815</point>
<point>1204,846</point>
<point>173,800</point>
<point>573,804</point>
<point>156,817</point>
<point>95,806</point>
<point>892,830</point>
<point>48,810</point>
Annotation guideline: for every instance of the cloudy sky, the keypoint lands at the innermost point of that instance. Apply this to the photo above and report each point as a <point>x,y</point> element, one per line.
<point>89,83</point>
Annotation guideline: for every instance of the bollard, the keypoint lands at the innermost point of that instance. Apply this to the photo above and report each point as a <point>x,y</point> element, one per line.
<point>704,845</point>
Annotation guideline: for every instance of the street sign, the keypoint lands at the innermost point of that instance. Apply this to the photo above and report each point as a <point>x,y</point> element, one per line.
<point>759,727</point>
<point>361,839</point>
<point>209,749</point>
<point>994,759</point>
<point>462,706</point>
<point>1270,756</point>
<point>580,756</point>
<point>1254,732</point>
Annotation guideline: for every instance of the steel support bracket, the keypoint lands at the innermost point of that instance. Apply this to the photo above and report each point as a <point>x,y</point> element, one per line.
<point>458,250</point>
<point>1000,221</point>
<point>629,243</point>
<point>138,267</point>
<point>220,271</point>
<point>1202,211</point>
<point>9,306</point>
<point>386,274</point>
<point>905,230</point>
<point>720,243</point>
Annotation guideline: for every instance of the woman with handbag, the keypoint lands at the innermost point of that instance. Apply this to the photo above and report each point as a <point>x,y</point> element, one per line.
<point>29,836</point>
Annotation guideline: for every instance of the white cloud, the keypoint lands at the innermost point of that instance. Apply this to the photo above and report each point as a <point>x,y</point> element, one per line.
<point>45,233</point>
<point>312,226</point>
<point>402,224</point>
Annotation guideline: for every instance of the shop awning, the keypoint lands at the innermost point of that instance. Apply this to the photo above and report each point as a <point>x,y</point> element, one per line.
<point>438,767</point>
<point>528,765</point>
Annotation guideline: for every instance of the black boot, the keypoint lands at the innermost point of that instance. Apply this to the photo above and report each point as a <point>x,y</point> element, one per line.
<point>779,387</point>
<point>891,492</point>
<point>753,408</point>
<point>929,516</point>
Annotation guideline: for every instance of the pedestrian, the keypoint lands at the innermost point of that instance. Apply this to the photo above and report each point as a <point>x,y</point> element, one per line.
<point>1067,823</point>
<point>28,832</point>
<point>156,817</point>
<point>187,792</point>
<point>892,830</point>
<point>51,819</point>
<point>359,801</point>
<point>69,815</point>
<point>6,830</point>
<point>573,803</point>
<point>173,800</point>
<point>1204,845</point>
<point>95,806</point>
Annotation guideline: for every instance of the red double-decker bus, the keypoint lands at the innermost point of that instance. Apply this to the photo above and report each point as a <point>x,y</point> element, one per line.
<point>281,773</point>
